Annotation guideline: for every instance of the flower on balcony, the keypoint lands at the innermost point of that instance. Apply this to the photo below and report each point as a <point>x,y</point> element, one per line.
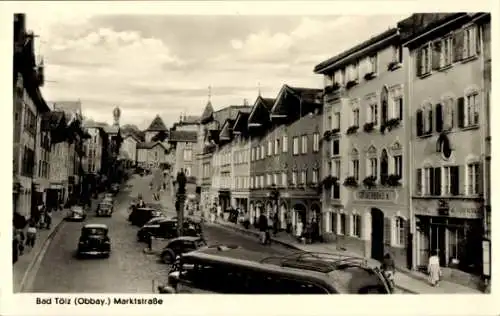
<point>368,127</point>
<point>328,181</point>
<point>370,181</point>
<point>335,130</point>
<point>352,129</point>
<point>393,65</point>
<point>333,87</point>
<point>327,135</point>
<point>393,180</point>
<point>389,125</point>
<point>350,182</point>
<point>351,83</point>
<point>369,75</point>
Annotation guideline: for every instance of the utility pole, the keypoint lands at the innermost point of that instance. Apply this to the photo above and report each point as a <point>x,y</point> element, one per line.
<point>181,197</point>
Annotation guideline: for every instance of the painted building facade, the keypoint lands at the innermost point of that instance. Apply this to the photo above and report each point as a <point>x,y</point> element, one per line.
<point>240,152</point>
<point>94,149</point>
<point>129,149</point>
<point>447,100</point>
<point>365,152</point>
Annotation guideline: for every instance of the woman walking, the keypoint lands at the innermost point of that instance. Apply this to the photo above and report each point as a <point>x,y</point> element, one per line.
<point>434,269</point>
<point>31,235</point>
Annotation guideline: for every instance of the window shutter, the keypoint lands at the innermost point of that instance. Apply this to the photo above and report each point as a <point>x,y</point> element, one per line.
<point>478,40</point>
<point>454,180</point>
<point>437,181</point>
<point>431,121</point>
<point>432,183</point>
<point>480,183</point>
<point>418,61</point>
<point>436,55</point>
<point>387,231</point>
<point>406,232</point>
<point>458,45</point>
<point>348,225</point>
<point>419,182</point>
<point>461,180</point>
<point>439,118</point>
<point>460,111</point>
<point>419,122</point>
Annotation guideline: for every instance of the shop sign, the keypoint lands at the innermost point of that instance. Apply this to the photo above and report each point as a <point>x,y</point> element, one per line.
<point>380,195</point>
<point>466,212</point>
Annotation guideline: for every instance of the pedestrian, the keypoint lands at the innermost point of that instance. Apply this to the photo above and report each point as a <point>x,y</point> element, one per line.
<point>275,223</point>
<point>263,227</point>
<point>434,269</point>
<point>15,247</point>
<point>299,230</point>
<point>31,235</point>
<point>150,242</point>
<point>389,269</point>
<point>48,218</point>
<point>246,220</point>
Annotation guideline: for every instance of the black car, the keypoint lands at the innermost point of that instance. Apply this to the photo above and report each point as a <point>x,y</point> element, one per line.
<point>94,241</point>
<point>115,188</point>
<point>179,246</point>
<point>141,215</point>
<point>162,227</point>
<point>104,209</point>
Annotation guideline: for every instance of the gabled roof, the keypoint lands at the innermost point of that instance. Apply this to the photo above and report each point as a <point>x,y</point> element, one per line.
<point>149,145</point>
<point>132,135</point>
<point>207,113</point>
<point>157,125</point>
<point>306,98</point>
<point>52,120</point>
<point>183,136</point>
<point>260,103</point>
<point>241,122</point>
<point>226,130</point>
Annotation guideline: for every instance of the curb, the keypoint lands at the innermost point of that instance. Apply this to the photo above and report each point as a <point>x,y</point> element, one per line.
<point>290,246</point>
<point>36,257</point>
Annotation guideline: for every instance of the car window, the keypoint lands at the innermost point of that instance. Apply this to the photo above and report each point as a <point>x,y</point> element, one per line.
<point>153,221</point>
<point>174,244</point>
<point>94,232</point>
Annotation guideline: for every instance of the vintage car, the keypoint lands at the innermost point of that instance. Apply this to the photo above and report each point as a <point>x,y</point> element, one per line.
<point>162,227</point>
<point>141,215</point>
<point>94,241</point>
<point>76,214</point>
<point>179,246</point>
<point>104,209</point>
<point>115,188</point>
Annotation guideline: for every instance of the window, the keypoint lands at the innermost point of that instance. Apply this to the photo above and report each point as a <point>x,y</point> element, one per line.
<point>470,43</point>
<point>284,179</point>
<point>373,114</point>
<point>356,225</point>
<point>188,154</point>
<point>355,117</point>
<point>397,110</point>
<point>471,110</point>
<point>333,222</point>
<point>257,153</point>
<point>316,142</point>
<point>448,105</point>
<point>276,146</point>
<point>397,54</point>
<point>315,176</point>
<point>335,147</point>
<point>329,123</point>
<point>336,121</point>
<point>303,177</point>
<point>294,177</point>
<point>372,64</point>
<point>251,182</point>
<point>446,49</point>
<point>426,183</point>
<point>269,148</point>
<point>262,152</point>
<point>352,72</point>
<point>275,179</point>
<point>427,120</point>
<point>262,179</point>
<point>373,167</point>
<point>269,179</point>
<point>295,145</point>
<point>355,169</point>
<point>473,178</point>
<point>304,144</point>
<point>336,168</point>
<point>398,165</point>
<point>342,228</point>
<point>431,184</point>
<point>424,60</point>
<point>285,143</point>
<point>449,185</point>
<point>399,232</point>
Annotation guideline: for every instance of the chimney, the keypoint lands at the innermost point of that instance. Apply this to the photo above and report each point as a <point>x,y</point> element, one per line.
<point>245,102</point>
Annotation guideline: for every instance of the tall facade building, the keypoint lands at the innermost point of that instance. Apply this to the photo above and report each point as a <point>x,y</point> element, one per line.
<point>240,153</point>
<point>94,148</point>
<point>447,101</point>
<point>129,149</point>
<point>364,145</point>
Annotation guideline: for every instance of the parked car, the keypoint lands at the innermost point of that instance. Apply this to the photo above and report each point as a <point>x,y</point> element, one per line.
<point>115,188</point>
<point>104,209</point>
<point>141,215</point>
<point>162,227</point>
<point>179,246</point>
<point>76,214</point>
<point>94,240</point>
<point>222,270</point>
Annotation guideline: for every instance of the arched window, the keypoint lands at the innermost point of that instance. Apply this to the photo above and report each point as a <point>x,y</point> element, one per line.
<point>427,119</point>
<point>384,166</point>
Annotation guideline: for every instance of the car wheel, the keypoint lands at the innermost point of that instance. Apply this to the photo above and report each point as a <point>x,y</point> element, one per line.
<point>167,257</point>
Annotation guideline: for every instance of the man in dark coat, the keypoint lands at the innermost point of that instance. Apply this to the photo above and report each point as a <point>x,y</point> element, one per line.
<point>263,226</point>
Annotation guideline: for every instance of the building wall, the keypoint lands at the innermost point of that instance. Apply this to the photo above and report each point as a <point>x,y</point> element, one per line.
<point>240,152</point>
<point>94,150</point>
<point>142,155</point>
<point>185,159</point>
<point>354,205</point>
<point>130,148</point>
<point>156,154</point>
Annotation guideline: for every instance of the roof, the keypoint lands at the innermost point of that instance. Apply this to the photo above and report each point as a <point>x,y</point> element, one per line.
<point>230,112</point>
<point>127,135</point>
<point>207,114</point>
<point>95,225</point>
<point>268,102</point>
<point>52,120</point>
<point>157,125</point>
<point>149,145</point>
<point>226,130</point>
<point>308,96</point>
<point>183,136</point>
<point>70,108</point>
<point>241,122</point>
<point>190,119</point>
<point>339,59</point>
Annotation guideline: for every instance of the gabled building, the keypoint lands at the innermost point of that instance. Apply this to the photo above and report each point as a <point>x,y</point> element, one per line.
<point>183,145</point>
<point>366,169</point>
<point>448,102</point>
<point>151,155</point>
<point>240,153</point>
<point>157,131</point>
<point>129,149</point>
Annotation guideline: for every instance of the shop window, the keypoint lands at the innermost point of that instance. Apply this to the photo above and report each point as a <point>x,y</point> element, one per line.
<point>399,231</point>
<point>333,222</point>
<point>473,178</point>
<point>342,226</point>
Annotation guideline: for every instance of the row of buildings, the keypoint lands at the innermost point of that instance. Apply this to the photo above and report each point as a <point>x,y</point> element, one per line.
<point>392,155</point>
<point>56,158</point>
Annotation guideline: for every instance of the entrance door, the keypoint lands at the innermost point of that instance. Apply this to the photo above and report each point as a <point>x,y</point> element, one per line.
<point>377,234</point>
<point>438,242</point>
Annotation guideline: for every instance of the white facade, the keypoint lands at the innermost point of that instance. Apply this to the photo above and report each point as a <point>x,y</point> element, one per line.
<point>129,147</point>
<point>94,151</point>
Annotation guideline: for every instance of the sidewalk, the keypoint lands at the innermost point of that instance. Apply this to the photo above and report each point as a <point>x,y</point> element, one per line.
<point>25,262</point>
<point>406,281</point>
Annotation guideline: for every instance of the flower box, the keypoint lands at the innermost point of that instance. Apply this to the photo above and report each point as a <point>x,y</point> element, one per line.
<point>370,181</point>
<point>350,182</point>
<point>369,75</point>
<point>393,65</point>
<point>327,135</point>
<point>389,125</point>
<point>335,131</point>
<point>329,181</point>
<point>368,127</point>
<point>351,83</point>
<point>332,88</point>
<point>352,129</point>
<point>393,180</point>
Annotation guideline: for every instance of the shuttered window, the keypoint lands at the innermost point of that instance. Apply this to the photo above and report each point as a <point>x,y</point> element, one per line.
<point>356,225</point>
<point>387,231</point>
<point>343,224</point>
<point>418,187</point>
<point>399,231</point>
<point>419,125</point>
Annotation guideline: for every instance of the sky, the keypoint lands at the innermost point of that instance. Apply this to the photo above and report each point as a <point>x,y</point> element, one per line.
<point>164,64</point>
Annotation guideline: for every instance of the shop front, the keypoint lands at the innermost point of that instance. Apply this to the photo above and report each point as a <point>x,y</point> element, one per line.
<point>452,228</point>
<point>224,199</point>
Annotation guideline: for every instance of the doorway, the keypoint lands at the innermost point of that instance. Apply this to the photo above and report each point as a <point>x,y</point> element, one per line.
<point>438,242</point>
<point>377,234</point>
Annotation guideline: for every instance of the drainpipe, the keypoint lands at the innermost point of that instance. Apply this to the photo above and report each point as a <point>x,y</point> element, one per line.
<point>35,158</point>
